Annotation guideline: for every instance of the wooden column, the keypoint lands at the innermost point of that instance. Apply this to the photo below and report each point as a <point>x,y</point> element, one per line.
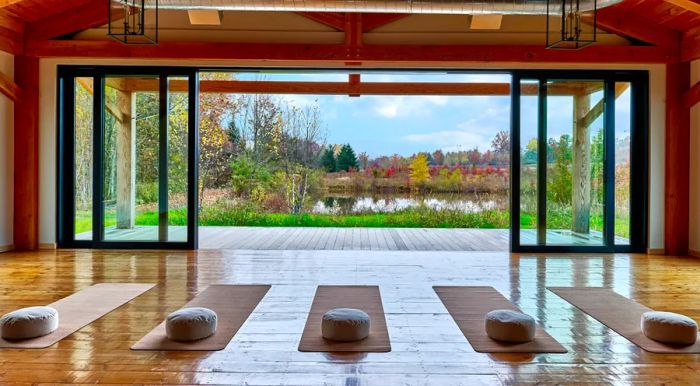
<point>677,159</point>
<point>581,189</point>
<point>26,155</point>
<point>126,161</point>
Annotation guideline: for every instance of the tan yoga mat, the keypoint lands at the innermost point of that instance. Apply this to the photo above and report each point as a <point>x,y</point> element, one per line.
<point>233,305</point>
<point>468,307</point>
<point>82,308</point>
<point>365,298</point>
<point>621,314</point>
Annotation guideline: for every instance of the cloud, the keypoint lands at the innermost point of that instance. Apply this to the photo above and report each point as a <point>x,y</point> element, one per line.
<point>406,106</point>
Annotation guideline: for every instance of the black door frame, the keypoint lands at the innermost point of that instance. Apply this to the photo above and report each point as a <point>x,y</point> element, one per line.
<point>639,79</point>
<point>639,164</point>
<point>65,171</point>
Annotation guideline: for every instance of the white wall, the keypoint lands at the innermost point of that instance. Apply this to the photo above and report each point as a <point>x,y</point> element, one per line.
<point>694,244</point>
<point>47,105</point>
<point>6,157</point>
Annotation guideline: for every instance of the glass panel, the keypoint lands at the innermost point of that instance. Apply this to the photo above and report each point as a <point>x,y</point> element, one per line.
<point>178,99</point>
<point>130,155</point>
<point>623,120</point>
<point>83,116</point>
<point>529,113</point>
<point>575,180</point>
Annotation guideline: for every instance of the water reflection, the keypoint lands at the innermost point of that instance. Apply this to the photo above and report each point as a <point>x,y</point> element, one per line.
<point>466,203</point>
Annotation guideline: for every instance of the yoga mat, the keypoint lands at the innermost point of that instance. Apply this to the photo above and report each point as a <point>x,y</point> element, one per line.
<point>233,305</point>
<point>82,308</point>
<point>365,298</point>
<point>619,313</point>
<point>468,307</point>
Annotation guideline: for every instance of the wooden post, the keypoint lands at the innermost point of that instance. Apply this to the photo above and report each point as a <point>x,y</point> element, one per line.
<point>26,155</point>
<point>677,185</point>
<point>582,165</point>
<point>126,161</point>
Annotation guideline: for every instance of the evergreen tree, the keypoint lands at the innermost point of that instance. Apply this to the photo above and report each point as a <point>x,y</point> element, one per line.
<point>328,160</point>
<point>347,159</point>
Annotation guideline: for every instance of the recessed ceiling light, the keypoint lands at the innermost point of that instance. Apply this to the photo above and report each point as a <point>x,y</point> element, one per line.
<point>486,22</point>
<point>205,16</point>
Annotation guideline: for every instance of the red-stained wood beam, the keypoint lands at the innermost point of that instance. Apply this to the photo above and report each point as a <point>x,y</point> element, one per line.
<point>372,21</point>
<point>353,35</point>
<point>677,159</point>
<point>26,155</point>
<point>9,88</point>
<point>90,15</point>
<point>625,24</point>
<point>331,19</point>
<point>320,54</point>
<point>692,96</point>
<point>690,47</point>
<point>11,33</point>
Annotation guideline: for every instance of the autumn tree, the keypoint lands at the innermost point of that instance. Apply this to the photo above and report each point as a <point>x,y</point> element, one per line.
<point>438,158</point>
<point>420,171</point>
<point>501,148</point>
<point>363,159</point>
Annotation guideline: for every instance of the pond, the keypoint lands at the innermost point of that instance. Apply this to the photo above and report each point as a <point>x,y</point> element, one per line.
<point>389,203</point>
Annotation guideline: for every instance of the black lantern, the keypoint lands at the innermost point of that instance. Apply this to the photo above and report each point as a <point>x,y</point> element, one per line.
<point>571,24</point>
<point>133,21</point>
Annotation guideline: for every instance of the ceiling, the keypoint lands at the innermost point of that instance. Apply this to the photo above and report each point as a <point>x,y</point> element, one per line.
<point>670,23</point>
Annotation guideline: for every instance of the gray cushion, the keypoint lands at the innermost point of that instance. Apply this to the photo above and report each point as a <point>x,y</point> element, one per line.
<point>510,326</point>
<point>31,322</point>
<point>345,325</point>
<point>192,323</point>
<point>667,327</point>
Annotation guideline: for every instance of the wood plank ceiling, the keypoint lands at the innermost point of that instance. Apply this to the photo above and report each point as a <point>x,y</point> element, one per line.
<point>657,22</point>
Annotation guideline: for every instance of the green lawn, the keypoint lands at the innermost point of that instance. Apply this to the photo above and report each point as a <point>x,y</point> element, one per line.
<point>409,218</point>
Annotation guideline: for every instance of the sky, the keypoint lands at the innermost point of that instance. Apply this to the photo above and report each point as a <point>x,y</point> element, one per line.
<point>384,125</point>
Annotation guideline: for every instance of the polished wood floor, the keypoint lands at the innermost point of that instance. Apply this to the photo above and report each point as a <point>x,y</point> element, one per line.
<point>428,348</point>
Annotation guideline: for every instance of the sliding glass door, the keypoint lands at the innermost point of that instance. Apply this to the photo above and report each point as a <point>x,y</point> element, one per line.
<point>578,162</point>
<point>132,180</point>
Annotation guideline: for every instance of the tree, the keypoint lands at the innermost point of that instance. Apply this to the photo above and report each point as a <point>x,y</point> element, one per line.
<point>530,155</point>
<point>328,160</point>
<point>501,148</point>
<point>420,171</point>
<point>364,160</point>
<point>347,158</point>
<point>438,157</point>
<point>559,185</point>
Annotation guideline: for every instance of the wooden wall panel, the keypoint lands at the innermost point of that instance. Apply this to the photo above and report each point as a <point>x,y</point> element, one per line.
<point>677,159</point>
<point>26,158</point>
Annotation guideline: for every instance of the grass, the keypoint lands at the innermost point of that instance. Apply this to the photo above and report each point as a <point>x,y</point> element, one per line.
<point>421,217</point>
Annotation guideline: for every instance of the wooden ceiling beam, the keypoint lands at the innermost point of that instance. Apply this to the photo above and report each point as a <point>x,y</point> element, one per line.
<point>354,86</point>
<point>11,33</point>
<point>9,88</point>
<point>331,19</point>
<point>90,15</point>
<point>688,5</point>
<point>372,21</point>
<point>625,24</point>
<point>337,53</point>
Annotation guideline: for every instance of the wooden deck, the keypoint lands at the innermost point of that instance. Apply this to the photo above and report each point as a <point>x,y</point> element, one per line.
<point>427,346</point>
<point>380,239</point>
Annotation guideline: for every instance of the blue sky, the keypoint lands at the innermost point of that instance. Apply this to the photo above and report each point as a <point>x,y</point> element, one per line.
<point>384,125</point>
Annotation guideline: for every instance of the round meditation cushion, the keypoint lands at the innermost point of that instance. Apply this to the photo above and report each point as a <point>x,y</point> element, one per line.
<point>510,326</point>
<point>345,325</point>
<point>31,322</point>
<point>667,327</point>
<point>191,323</point>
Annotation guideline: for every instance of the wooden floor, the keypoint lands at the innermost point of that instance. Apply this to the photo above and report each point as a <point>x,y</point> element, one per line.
<point>427,346</point>
<point>381,239</point>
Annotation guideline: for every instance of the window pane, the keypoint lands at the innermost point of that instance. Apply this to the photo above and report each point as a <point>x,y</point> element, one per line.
<point>529,113</point>
<point>83,116</point>
<point>623,108</point>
